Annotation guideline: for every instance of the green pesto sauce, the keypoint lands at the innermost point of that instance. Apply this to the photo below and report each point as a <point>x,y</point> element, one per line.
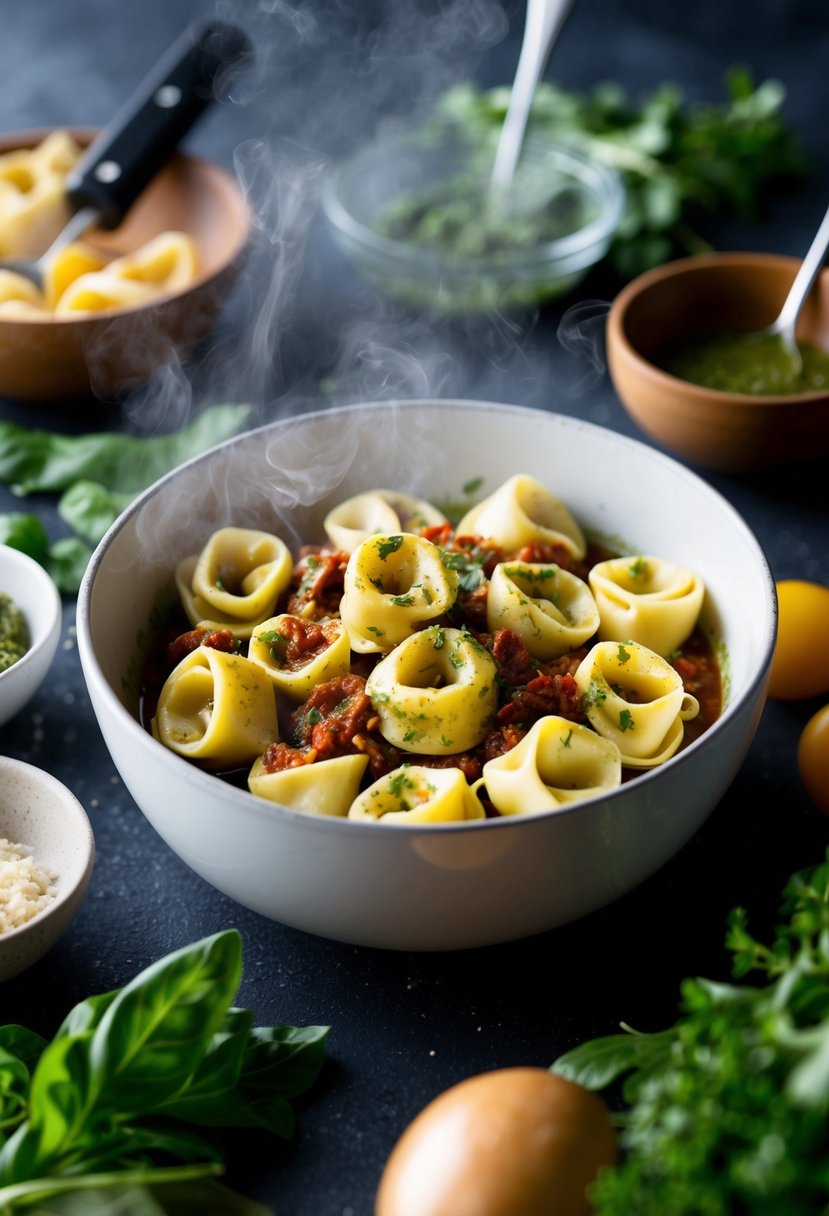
<point>746,363</point>
<point>14,632</point>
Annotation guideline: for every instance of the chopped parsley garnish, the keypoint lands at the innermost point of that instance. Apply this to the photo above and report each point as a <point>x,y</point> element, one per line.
<point>402,601</point>
<point>622,655</point>
<point>567,739</point>
<point>390,545</point>
<point>595,694</point>
<point>626,720</point>
<point>638,568</point>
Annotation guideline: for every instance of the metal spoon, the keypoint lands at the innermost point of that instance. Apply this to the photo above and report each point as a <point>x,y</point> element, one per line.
<point>125,157</point>
<point>542,25</point>
<point>783,327</point>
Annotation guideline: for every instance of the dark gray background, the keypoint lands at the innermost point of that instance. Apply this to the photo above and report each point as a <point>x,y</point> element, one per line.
<point>303,331</point>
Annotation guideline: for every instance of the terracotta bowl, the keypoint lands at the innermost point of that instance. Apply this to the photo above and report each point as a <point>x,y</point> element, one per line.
<point>107,354</point>
<point>733,432</point>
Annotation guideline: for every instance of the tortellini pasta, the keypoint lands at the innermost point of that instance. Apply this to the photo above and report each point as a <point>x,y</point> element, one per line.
<point>167,263</point>
<point>634,697</point>
<point>646,600</point>
<point>326,787</point>
<point>550,609</point>
<point>235,581</point>
<point>498,669</point>
<point>378,511</point>
<point>33,194</point>
<point>216,707</point>
<point>523,512</point>
<point>295,675</point>
<point>556,763</point>
<point>394,584</point>
<point>435,693</point>
<point>418,794</point>
<point>79,278</point>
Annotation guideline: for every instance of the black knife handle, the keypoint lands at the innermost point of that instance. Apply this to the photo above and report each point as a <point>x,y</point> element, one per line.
<point>129,152</point>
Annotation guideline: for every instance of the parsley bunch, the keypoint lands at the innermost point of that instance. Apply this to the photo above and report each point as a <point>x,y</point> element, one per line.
<point>682,163</point>
<point>728,1111</point>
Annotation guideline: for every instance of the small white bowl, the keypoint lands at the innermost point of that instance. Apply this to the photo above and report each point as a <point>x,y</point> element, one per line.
<point>38,598</point>
<point>37,811</point>
<point>444,886</point>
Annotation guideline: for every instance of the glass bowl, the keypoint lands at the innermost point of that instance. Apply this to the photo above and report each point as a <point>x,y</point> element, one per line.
<point>415,214</point>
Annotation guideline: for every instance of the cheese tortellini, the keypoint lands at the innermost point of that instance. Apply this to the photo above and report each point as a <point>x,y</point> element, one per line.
<point>504,668</point>
<point>523,512</point>
<point>79,279</point>
<point>435,693</point>
<point>635,698</point>
<point>351,522</point>
<point>647,600</point>
<point>32,194</point>
<point>557,762</point>
<point>394,585</point>
<point>550,609</point>
<point>216,707</point>
<point>235,581</point>
<point>326,787</point>
<point>418,794</point>
<point>328,654</point>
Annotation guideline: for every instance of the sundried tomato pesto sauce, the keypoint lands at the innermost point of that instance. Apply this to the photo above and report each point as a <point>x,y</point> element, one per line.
<point>338,718</point>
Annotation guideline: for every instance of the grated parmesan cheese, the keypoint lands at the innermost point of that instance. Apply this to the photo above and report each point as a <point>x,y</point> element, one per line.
<point>26,888</point>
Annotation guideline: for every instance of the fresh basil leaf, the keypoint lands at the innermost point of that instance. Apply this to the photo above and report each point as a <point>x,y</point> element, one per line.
<point>90,509</point>
<point>154,1035</point>
<point>14,1090</point>
<point>86,1014</point>
<point>59,1097</point>
<point>66,562</point>
<point>598,1062</point>
<point>204,1098</point>
<point>26,1044</point>
<point>283,1060</point>
<point>41,461</point>
<point>200,1198</point>
<point>26,533</point>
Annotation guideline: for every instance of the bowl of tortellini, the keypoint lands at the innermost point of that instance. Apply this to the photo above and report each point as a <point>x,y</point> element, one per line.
<point>115,305</point>
<point>427,675</point>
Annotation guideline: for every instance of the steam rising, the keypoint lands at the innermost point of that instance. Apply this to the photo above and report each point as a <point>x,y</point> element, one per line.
<point>302,331</point>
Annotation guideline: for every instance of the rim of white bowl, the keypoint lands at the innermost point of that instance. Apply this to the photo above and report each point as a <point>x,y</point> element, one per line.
<point>248,804</point>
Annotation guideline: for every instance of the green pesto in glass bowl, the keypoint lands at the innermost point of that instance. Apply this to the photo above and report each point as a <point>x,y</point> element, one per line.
<point>415,214</point>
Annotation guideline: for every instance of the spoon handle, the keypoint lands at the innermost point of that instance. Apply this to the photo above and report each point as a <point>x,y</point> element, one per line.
<point>141,138</point>
<point>543,22</point>
<point>803,280</point>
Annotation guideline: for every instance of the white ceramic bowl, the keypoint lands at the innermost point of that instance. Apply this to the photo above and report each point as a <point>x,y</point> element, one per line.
<point>425,887</point>
<point>37,811</point>
<point>38,598</point>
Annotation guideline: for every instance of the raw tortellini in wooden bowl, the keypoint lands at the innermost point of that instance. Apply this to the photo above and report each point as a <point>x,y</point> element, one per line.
<point>408,670</point>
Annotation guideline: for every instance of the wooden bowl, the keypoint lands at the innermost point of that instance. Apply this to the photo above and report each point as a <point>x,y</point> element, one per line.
<point>107,354</point>
<point>733,432</point>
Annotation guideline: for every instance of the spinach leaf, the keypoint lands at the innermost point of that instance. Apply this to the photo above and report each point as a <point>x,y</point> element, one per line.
<point>33,461</point>
<point>97,475</point>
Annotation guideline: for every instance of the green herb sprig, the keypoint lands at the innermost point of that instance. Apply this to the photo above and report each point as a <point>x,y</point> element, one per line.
<point>129,1093</point>
<point>728,1110</point>
<point>681,162</point>
<point>97,476</point>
